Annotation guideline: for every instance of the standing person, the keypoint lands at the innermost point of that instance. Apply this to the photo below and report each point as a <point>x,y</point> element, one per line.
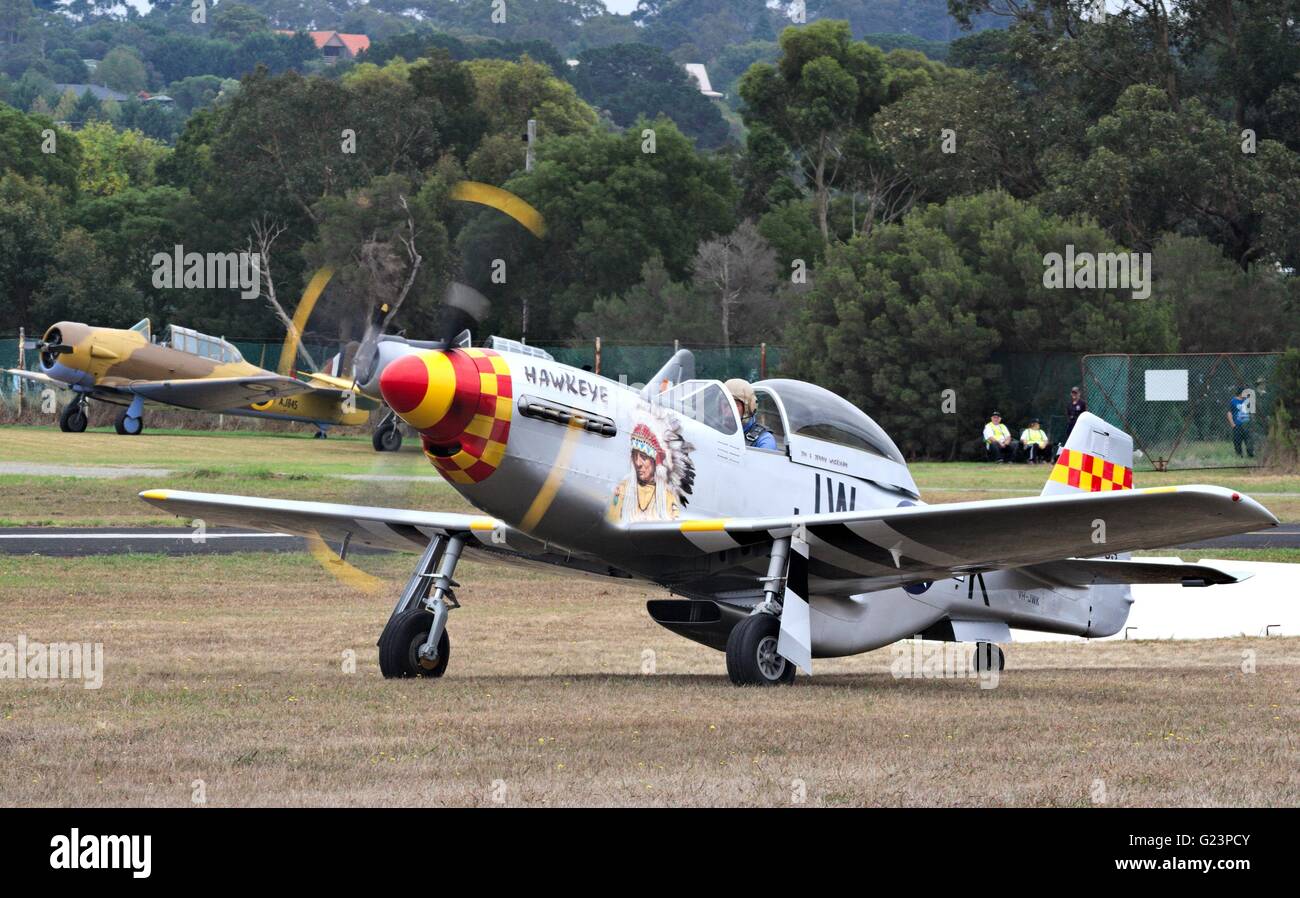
<point>1033,442</point>
<point>1073,410</point>
<point>997,439</point>
<point>1239,421</point>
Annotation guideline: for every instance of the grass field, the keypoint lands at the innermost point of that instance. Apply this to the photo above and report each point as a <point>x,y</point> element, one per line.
<point>230,670</point>
<point>296,466</point>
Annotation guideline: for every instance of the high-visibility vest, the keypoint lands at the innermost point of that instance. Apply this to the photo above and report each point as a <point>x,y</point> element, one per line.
<point>996,433</point>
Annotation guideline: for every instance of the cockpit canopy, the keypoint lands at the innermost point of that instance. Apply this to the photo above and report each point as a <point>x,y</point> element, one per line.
<point>208,347</point>
<point>816,412</point>
<point>706,401</point>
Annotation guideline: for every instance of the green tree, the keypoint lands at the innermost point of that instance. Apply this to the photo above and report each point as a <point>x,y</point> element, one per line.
<point>1218,306</point>
<point>825,87</point>
<point>635,80</point>
<point>963,133</point>
<point>1149,168</point>
<point>507,94</point>
<point>23,141</point>
<point>112,160</point>
<point>31,219</point>
<point>917,308</point>
<point>651,309</point>
<point>611,202</point>
<point>123,70</point>
<point>236,21</point>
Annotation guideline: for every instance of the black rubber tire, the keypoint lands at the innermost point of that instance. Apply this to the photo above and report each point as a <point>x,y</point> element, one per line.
<point>73,418</point>
<point>120,425</point>
<point>989,656</point>
<point>399,646</point>
<point>387,439</point>
<point>744,644</point>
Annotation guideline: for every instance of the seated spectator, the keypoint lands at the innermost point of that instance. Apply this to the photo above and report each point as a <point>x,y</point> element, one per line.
<point>997,440</point>
<point>1033,443</point>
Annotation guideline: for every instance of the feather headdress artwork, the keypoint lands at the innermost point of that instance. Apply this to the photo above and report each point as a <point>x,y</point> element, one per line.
<point>658,435</point>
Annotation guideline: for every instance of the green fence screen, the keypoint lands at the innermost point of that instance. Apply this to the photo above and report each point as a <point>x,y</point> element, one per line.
<point>1177,407</point>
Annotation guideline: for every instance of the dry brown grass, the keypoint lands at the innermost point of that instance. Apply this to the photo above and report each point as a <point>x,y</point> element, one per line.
<point>229,669</point>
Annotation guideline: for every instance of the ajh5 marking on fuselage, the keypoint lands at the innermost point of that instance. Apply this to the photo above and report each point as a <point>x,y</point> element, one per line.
<point>819,548</point>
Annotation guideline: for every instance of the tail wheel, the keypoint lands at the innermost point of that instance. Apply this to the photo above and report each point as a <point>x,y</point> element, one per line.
<point>387,439</point>
<point>752,658</point>
<point>73,418</point>
<point>128,426</point>
<point>989,656</point>
<point>399,647</point>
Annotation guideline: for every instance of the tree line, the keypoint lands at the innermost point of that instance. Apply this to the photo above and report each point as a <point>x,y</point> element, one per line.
<point>882,214</point>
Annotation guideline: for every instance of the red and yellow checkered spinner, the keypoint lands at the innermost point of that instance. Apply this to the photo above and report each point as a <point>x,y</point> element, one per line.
<point>460,402</point>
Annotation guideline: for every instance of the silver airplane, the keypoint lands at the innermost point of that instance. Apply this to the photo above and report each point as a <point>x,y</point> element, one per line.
<point>818,548</point>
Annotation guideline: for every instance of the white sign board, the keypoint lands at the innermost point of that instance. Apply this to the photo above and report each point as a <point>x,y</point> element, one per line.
<point>1166,386</point>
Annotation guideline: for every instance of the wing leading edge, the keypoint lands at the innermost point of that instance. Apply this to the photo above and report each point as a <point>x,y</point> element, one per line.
<point>386,528</point>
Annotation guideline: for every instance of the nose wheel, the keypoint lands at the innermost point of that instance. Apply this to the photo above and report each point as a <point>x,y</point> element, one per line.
<point>74,417</point>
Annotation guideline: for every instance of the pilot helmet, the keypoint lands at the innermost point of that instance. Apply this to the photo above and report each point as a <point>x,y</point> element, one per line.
<point>739,388</point>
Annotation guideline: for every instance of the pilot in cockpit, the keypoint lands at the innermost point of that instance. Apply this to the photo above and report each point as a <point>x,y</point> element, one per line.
<point>756,435</point>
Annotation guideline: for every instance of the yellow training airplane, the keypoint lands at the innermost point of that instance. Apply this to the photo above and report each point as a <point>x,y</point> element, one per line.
<point>186,369</point>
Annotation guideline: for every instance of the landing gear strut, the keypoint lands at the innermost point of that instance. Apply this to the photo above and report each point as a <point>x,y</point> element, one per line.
<point>74,417</point>
<point>415,641</point>
<point>752,658</point>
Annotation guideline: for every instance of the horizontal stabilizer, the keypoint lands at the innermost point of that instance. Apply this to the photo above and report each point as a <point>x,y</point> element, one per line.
<point>1094,571</point>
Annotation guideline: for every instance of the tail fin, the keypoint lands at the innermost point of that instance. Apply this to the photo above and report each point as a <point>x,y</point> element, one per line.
<point>1097,457</point>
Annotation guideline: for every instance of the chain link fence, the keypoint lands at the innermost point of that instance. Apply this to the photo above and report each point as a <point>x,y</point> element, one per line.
<point>1179,409</point>
<point>1176,407</point>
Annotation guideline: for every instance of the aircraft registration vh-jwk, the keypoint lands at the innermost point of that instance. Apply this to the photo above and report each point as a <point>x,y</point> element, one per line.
<point>819,547</point>
<point>186,369</point>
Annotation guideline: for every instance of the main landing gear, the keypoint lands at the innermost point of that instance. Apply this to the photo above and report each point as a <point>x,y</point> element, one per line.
<point>73,418</point>
<point>388,434</point>
<point>752,658</point>
<point>130,421</point>
<point>415,642</point>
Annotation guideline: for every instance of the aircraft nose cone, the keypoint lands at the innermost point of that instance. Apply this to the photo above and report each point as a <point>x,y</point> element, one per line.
<point>404,383</point>
<point>422,388</point>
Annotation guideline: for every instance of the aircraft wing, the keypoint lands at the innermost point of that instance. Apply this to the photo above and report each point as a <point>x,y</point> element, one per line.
<point>216,393</point>
<point>35,376</point>
<point>386,528</point>
<point>854,552</point>
<point>324,381</point>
